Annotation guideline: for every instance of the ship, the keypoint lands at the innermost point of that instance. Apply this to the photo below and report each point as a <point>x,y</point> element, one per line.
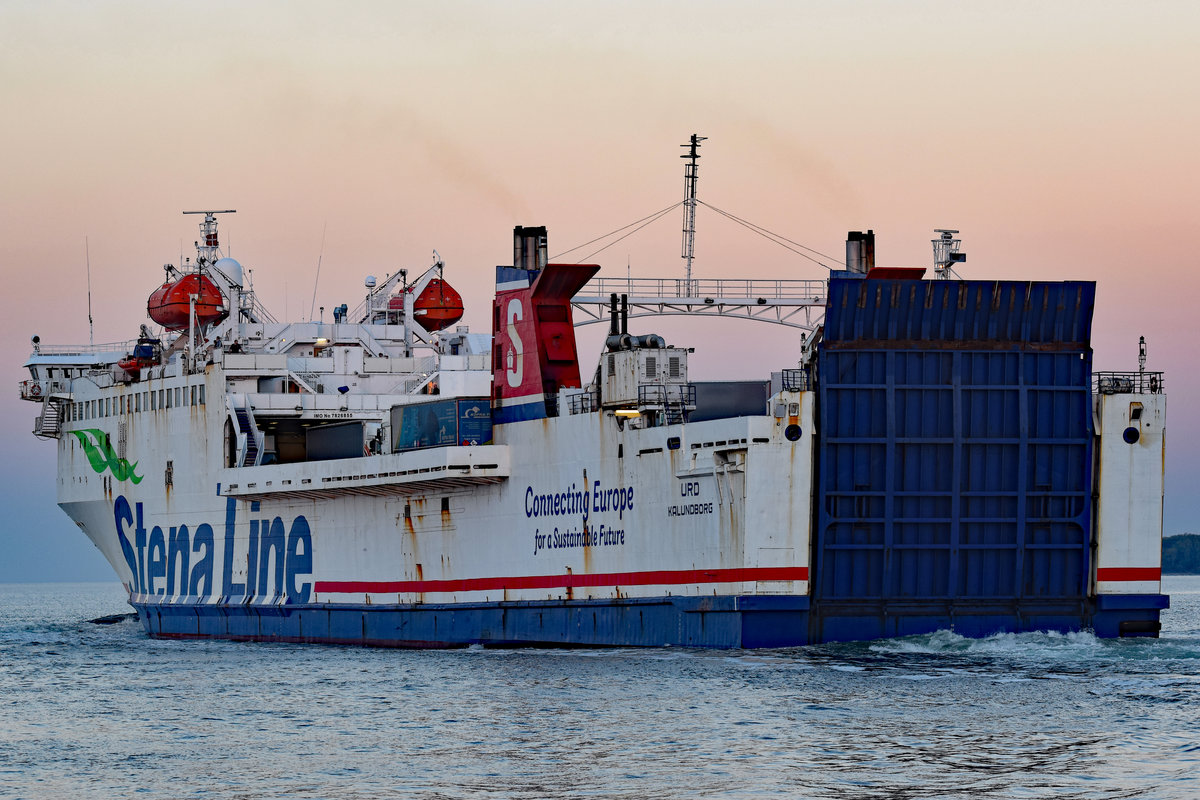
<point>932,453</point>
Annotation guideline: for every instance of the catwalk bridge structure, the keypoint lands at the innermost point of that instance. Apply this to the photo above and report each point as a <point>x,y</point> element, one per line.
<point>796,303</point>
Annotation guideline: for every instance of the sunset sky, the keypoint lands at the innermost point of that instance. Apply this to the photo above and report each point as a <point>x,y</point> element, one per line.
<point>1061,138</point>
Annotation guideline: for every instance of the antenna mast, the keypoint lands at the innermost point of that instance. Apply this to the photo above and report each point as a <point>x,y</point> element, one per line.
<point>689,206</point>
<point>317,279</point>
<point>87,251</point>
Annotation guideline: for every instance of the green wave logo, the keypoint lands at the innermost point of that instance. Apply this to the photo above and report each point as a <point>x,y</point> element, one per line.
<point>101,455</point>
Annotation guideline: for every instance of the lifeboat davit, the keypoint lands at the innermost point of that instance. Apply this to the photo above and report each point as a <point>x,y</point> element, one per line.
<point>170,305</point>
<point>437,307</point>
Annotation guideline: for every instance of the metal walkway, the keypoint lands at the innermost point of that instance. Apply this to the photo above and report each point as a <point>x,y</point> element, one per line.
<point>794,303</point>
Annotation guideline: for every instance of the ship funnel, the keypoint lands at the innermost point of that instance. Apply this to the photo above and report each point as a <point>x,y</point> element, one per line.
<point>529,248</point>
<point>533,339</point>
<point>860,251</point>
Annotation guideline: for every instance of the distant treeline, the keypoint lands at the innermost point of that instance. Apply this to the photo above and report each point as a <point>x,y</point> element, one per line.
<point>1181,554</point>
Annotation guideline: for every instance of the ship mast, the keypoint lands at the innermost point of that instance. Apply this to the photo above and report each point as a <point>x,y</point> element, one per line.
<point>210,251</point>
<point>689,207</point>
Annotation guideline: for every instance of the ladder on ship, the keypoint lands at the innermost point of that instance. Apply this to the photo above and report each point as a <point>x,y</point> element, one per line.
<point>675,412</point>
<point>48,424</point>
<point>247,427</point>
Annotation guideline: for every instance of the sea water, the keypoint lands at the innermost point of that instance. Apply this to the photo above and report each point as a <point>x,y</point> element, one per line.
<point>101,711</point>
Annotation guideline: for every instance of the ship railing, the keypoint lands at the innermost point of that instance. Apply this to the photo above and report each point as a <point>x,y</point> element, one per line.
<point>795,380</point>
<point>39,390</point>
<point>661,395</point>
<point>584,402</point>
<point>107,348</point>
<point>1128,383</point>
<point>254,310</point>
<point>806,289</point>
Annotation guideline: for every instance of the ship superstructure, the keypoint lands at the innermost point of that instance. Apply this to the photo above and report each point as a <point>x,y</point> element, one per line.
<point>934,454</point>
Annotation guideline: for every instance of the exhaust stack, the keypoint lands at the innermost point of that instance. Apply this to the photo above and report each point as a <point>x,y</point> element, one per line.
<point>860,251</point>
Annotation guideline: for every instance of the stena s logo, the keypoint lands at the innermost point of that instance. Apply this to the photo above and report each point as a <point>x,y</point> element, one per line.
<point>516,353</point>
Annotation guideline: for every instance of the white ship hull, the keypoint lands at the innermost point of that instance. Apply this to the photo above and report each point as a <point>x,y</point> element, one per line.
<point>941,458</point>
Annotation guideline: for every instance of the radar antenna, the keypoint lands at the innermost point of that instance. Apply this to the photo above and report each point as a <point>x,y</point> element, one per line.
<point>945,253</point>
<point>209,252</point>
<point>689,207</point>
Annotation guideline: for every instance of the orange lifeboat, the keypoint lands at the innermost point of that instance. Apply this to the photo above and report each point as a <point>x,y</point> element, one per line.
<point>169,305</point>
<point>438,306</point>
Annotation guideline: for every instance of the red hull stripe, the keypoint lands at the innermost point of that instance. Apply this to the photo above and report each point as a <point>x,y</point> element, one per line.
<point>661,577</point>
<point>1129,574</point>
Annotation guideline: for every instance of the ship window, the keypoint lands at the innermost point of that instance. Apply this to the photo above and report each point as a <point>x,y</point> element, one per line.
<point>1135,412</point>
<point>121,404</point>
<point>177,397</point>
<point>137,402</point>
<point>145,401</point>
<point>160,398</point>
<point>153,401</point>
<point>193,396</point>
<point>201,395</point>
<point>651,366</point>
